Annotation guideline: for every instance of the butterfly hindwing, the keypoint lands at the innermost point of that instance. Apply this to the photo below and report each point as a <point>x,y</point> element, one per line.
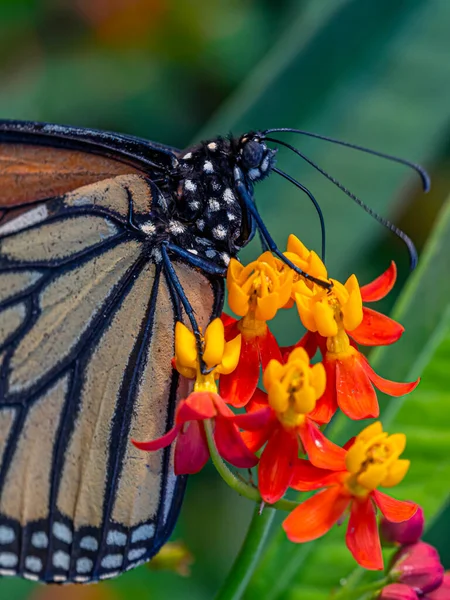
<point>86,340</point>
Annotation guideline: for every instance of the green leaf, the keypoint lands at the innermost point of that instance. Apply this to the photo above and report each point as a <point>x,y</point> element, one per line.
<point>424,309</point>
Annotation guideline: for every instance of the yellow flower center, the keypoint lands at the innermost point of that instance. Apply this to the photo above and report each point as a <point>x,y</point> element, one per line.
<point>373,460</point>
<point>217,355</point>
<point>294,388</point>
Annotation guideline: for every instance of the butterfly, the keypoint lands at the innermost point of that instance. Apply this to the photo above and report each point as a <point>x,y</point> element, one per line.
<point>106,241</point>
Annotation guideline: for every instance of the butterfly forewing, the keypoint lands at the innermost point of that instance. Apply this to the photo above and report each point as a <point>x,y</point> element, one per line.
<point>86,340</point>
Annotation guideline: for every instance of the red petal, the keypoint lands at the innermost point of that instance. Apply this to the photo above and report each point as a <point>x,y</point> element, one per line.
<point>230,445</point>
<point>268,348</point>
<point>191,451</point>
<point>349,443</point>
<point>276,464</point>
<point>317,515</point>
<point>227,321</point>
<point>307,477</point>
<point>255,420</point>
<point>308,342</point>
<point>258,401</point>
<point>391,388</point>
<point>376,329</point>
<point>380,286</point>
<point>355,394</point>
<point>326,406</point>
<point>254,440</point>
<point>196,407</point>
<point>362,536</point>
<point>161,442</point>
<point>320,450</point>
<point>239,386</point>
<point>394,510</point>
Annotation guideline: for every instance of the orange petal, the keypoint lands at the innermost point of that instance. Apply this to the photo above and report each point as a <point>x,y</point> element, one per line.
<point>320,450</point>
<point>317,515</point>
<point>391,388</point>
<point>326,406</point>
<point>380,286</point>
<point>307,477</point>
<point>239,386</point>
<point>355,394</point>
<point>394,510</point>
<point>362,537</point>
<point>376,329</point>
<point>275,465</point>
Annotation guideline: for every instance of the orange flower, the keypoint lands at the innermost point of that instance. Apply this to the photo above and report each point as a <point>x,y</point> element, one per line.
<point>372,460</point>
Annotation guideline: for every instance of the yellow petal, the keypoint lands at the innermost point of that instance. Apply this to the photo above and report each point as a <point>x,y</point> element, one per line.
<point>298,354</point>
<point>273,372</point>
<point>231,356</point>
<point>352,311</point>
<point>297,247</point>
<point>396,473</point>
<point>355,456</point>
<point>278,397</point>
<point>234,271</point>
<point>324,319</point>
<point>316,266</point>
<point>305,400</point>
<point>397,442</point>
<point>238,300</point>
<point>214,343</point>
<point>284,293</point>
<point>318,379</point>
<point>305,312</point>
<point>300,287</point>
<point>371,431</point>
<point>185,346</point>
<point>340,292</point>
<point>185,371</point>
<point>266,307</point>
<point>372,477</point>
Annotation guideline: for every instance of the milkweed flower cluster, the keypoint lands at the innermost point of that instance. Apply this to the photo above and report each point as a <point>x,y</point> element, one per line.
<point>281,429</point>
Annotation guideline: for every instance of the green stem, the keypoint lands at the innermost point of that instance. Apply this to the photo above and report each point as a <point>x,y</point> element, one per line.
<point>242,488</point>
<point>357,593</point>
<point>247,559</point>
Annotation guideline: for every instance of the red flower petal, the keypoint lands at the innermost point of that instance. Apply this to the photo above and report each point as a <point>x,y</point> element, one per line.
<point>317,515</point>
<point>391,388</point>
<point>254,440</point>
<point>326,406</point>
<point>355,394</point>
<point>161,442</point>
<point>306,476</point>
<point>227,321</point>
<point>320,450</point>
<point>196,407</point>
<point>230,445</point>
<point>376,329</point>
<point>276,464</point>
<point>268,348</point>
<point>258,401</point>
<point>255,420</point>
<point>239,386</point>
<point>191,451</point>
<point>308,342</point>
<point>394,510</point>
<point>362,537</point>
<point>380,286</point>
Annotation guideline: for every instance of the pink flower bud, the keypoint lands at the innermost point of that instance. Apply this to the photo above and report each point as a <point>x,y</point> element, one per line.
<point>398,591</point>
<point>418,565</point>
<point>408,532</point>
<point>442,592</point>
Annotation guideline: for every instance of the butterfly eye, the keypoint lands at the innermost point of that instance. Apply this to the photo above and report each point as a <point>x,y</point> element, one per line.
<point>252,154</point>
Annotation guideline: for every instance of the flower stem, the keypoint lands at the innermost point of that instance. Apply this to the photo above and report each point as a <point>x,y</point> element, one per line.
<point>247,559</point>
<point>242,488</point>
<point>359,592</point>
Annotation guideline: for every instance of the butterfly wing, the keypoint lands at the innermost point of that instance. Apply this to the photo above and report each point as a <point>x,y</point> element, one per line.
<point>86,341</point>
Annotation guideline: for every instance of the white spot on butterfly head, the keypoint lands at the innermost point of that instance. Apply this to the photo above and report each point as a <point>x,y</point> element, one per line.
<point>142,533</point>
<point>176,227</point>
<point>265,164</point>
<point>62,532</point>
<point>34,563</point>
<point>219,232</point>
<point>148,228</point>
<point>254,174</point>
<point>61,560</point>
<point>208,166</point>
<point>187,156</point>
<point>89,543</point>
<point>190,186</point>
<point>39,539</point>
<point>226,258</point>
<point>212,146</point>
<point>7,534</point>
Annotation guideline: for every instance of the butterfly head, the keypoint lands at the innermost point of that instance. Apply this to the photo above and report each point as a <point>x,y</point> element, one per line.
<point>254,158</point>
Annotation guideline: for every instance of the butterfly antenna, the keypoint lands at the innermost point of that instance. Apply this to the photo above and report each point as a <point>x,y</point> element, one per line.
<point>417,168</point>
<point>397,231</point>
<point>313,200</point>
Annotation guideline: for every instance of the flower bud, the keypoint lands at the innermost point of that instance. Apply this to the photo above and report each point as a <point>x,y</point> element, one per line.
<point>418,565</point>
<point>398,591</point>
<point>442,592</point>
<point>407,532</point>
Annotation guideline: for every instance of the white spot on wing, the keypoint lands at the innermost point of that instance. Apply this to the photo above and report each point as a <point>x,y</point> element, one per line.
<point>7,534</point>
<point>112,561</point>
<point>201,224</point>
<point>84,565</point>
<point>59,578</point>
<point>30,577</point>
<point>187,156</point>
<point>213,204</point>
<point>33,216</point>
<point>116,538</point>
<point>148,228</point>
<point>219,232</point>
<point>194,204</point>
<point>11,572</point>
<point>212,146</point>
<point>109,575</point>
<point>142,533</point>
<point>136,553</point>
<point>8,559</point>
<point>176,227</point>
<point>62,532</point>
<point>39,539</point>
<point>61,560</point>
<point>89,543</point>
<point>190,185</point>
<point>228,196</point>
<point>34,563</point>
<point>226,258</point>
<point>208,166</point>
<point>210,253</point>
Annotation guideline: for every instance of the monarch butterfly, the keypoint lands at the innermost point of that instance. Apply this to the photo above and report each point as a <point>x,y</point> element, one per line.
<point>105,241</point>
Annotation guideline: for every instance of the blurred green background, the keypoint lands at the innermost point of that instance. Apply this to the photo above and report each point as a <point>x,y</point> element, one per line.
<point>372,72</point>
